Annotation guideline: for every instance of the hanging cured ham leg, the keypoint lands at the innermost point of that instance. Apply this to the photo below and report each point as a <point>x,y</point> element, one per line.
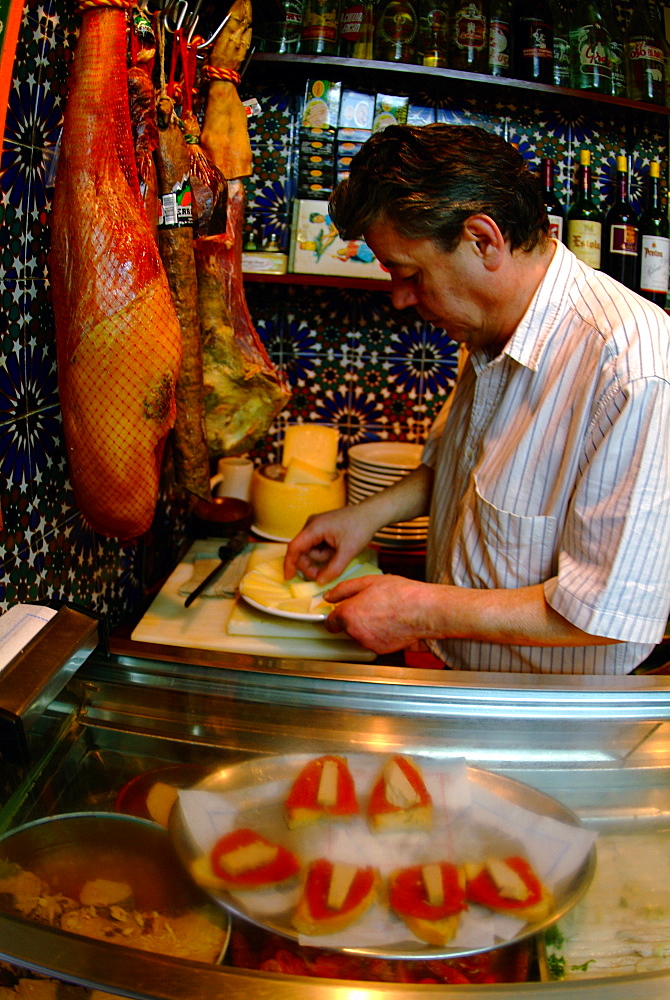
<point>118,338</point>
<point>243,390</point>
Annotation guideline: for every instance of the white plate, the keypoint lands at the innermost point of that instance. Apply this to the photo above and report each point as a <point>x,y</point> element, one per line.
<point>394,454</point>
<point>296,616</point>
<point>264,534</point>
<point>254,790</point>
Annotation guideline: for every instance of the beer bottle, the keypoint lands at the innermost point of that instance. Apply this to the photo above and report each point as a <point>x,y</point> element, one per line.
<point>467,39</point>
<point>590,48</point>
<point>395,31</point>
<point>562,67</point>
<point>282,32</point>
<point>534,41</point>
<point>500,38</point>
<point>356,30</point>
<point>433,44</point>
<point>584,218</point>
<point>654,260</point>
<point>319,32</point>
<point>645,55</point>
<point>621,236</point>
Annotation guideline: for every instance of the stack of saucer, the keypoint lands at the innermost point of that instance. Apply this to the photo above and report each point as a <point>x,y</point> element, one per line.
<point>376,465</point>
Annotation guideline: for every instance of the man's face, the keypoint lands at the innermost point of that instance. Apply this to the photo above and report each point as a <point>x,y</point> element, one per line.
<point>451,290</point>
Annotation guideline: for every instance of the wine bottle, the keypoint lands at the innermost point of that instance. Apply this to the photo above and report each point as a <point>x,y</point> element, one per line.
<point>433,46</point>
<point>645,55</point>
<point>654,260</point>
<point>468,47</point>
<point>396,31</point>
<point>562,67</point>
<point>584,220</point>
<point>617,51</point>
<point>553,206</point>
<point>621,236</point>
<point>590,48</point>
<point>534,41</point>
<point>319,32</point>
<point>356,29</point>
<point>282,33</point>
<point>500,38</point>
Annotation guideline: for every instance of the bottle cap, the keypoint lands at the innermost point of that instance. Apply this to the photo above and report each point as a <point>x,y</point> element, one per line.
<point>585,157</point>
<point>654,169</point>
<point>622,164</point>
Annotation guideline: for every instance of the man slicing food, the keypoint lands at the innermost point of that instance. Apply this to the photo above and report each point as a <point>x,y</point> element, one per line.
<point>547,473</point>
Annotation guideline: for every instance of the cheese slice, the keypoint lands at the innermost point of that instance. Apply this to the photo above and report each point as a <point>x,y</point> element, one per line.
<point>299,471</point>
<point>432,880</point>
<point>247,857</point>
<point>327,793</point>
<point>508,883</point>
<point>273,569</point>
<point>340,883</point>
<point>306,588</point>
<point>399,790</point>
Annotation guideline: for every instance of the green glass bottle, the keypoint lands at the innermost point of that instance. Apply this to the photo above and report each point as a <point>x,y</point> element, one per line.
<point>590,48</point>
<point>584,219</point>
<point>320,25</point>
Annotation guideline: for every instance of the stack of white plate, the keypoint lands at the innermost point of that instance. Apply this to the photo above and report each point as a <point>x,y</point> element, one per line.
<point>376,465</point>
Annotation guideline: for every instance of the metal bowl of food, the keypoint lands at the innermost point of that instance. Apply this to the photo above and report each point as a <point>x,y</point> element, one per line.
<point>110,877</point>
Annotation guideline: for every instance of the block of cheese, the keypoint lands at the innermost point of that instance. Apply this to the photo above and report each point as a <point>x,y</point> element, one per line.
<point>298,471</point>
<point>314,444</point>
<point>281,508</point>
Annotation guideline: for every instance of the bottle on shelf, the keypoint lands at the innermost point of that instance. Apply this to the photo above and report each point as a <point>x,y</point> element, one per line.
<point>553,206</point>
<point>646,54</point>
<point>433,44</point>
<point>654,260</point>
<point>357,24</point>
<point>621,232</point>
<point>584,219</point>
<point>396,31</point>
<point>617,51</point>
<point>533,32</point>
<point>500,38</point>
<point>562,67</point>
<point>319,31</point>
<point>590,52</point>
<point>282,32</point>
<point>468,48</point>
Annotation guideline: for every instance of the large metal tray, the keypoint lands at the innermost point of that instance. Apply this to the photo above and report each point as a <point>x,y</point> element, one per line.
<point>265,815</point>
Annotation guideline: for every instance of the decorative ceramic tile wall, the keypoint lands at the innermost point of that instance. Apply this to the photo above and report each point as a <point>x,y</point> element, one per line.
<point>352,361</point>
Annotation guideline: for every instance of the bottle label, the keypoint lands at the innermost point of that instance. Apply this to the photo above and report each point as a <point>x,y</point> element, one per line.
<point>585,240</point>
<point>175,208</point>
<point>537,34</point>
<point>654,264</point>
<point>352,22</point>
<point>320,21</point>
<point>623,240</point>
<point>556,227</point>
<point>645,51</point>
<point>592,45</point>
<point>561,61</point>
<point>398,23</point>
<point>469,30</point>
<point>499,45</point>
<point>288,29</point>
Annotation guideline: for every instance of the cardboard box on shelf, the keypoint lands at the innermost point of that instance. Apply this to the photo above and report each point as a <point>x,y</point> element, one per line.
<point>316,247</point>
<point>357,110</point>
<point>390,109</point>
<point>322,105</point>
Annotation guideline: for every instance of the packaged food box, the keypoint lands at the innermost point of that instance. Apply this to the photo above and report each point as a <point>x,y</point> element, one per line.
<point>353,134</point>
<point>418,114</point>
<point>357,110</point>
<point>322,105</point>
<point>316,247</point>
<point>390,109</point>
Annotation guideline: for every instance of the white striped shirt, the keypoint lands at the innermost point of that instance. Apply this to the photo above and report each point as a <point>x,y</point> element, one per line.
<point>552,465</point>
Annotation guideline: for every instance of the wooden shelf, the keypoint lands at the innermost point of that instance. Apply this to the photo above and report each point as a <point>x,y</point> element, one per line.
<point>370,284</point>
<point>429,76</point>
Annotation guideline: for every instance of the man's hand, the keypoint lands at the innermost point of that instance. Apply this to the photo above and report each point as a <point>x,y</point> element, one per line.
<point>381,612</point>
<point>327,544</point>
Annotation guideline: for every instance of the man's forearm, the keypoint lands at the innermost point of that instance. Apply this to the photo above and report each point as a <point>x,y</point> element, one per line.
<point>406,499</point>
<point>519,617</point>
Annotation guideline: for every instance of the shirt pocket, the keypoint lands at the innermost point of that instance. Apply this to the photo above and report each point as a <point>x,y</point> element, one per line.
<point>499,548</point>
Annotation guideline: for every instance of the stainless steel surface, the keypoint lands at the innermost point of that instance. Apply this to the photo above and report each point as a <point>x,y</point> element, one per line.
<point>601,746</point>
<point>266,815</point>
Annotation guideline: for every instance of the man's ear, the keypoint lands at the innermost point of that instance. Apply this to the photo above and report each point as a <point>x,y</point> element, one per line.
<point>486,239</point>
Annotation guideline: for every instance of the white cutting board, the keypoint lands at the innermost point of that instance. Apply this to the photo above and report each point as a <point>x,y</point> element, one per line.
<point>204,625</point>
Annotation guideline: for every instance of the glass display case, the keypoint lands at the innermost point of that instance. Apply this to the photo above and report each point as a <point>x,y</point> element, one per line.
<point>599,747</point>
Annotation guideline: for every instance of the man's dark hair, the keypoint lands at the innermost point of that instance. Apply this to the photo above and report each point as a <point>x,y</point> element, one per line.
<point>426,181</point>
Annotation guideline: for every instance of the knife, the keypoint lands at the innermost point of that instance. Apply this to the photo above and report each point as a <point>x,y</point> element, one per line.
<point>226,554</point>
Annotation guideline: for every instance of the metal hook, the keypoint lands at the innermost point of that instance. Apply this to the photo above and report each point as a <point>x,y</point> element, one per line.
<point>213,37</point>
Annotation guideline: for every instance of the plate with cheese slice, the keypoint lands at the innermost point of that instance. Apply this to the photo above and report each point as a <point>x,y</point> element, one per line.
<point>381,854</point>
<point>263,587</point>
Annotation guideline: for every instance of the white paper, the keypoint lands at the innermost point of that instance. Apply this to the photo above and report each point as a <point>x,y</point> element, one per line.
<point>18,626</point>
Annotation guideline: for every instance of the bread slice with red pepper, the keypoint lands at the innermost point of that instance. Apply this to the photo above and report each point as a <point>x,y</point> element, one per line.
<point>334,896</point>
<point>508,885</point>
<point>399,799</point>
<point>429,899</point>
<point>243,859</point>
<point>324,789</point>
